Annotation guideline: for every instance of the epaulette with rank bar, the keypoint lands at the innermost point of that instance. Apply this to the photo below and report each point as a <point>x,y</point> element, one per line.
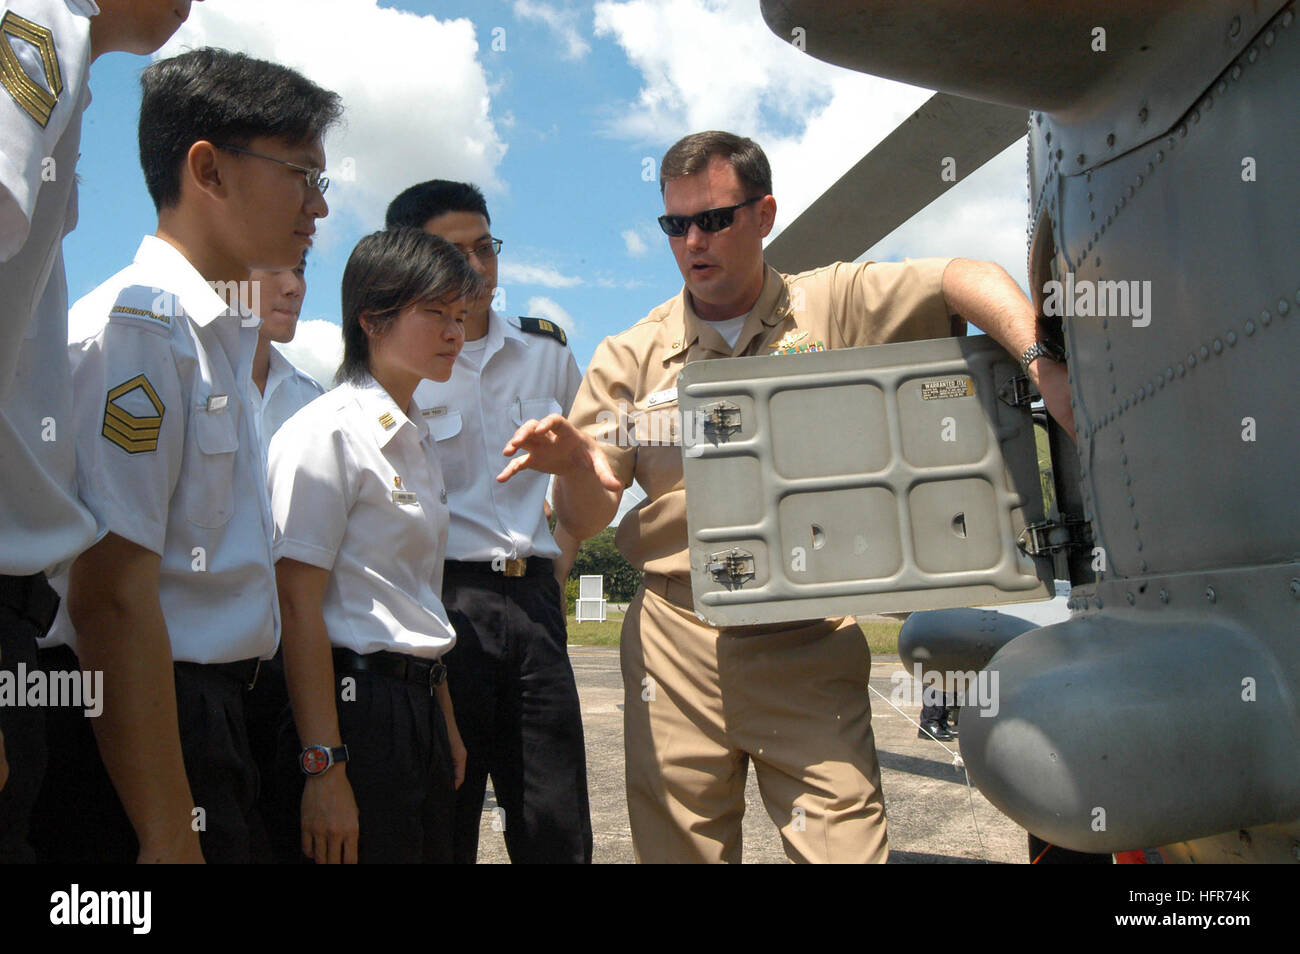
<point>540,326</point>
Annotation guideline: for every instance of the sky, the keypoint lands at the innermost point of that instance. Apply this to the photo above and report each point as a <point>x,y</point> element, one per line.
<point>559,111</point>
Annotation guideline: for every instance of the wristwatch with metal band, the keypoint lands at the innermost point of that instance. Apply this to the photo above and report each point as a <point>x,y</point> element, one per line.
<point>315,759</point>
<point>1040,349</point>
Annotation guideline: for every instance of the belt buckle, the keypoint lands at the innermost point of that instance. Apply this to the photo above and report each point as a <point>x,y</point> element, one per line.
<point>437,675</point>
<point>257,671</point>
<point>516,568</point>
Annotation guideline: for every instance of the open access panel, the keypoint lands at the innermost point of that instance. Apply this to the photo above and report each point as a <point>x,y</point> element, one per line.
<point>893,478</point>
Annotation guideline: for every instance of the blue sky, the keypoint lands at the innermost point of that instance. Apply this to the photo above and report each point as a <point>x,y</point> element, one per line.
<point>557,109</point>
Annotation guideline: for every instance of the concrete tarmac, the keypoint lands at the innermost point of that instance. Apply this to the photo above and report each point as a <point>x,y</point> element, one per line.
<point>934,816</point>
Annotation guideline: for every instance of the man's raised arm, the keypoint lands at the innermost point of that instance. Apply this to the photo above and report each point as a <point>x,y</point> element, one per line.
<point>986,296</point>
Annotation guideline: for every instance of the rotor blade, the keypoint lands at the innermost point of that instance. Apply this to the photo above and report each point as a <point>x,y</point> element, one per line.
<point>901,176</point>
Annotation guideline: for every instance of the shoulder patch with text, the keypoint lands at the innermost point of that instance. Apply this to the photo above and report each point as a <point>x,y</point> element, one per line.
<point>540,326</point>
<point>128,422</point>
<point>149,307</point>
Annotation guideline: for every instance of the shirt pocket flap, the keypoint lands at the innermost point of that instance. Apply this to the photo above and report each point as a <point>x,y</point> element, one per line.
<point>444,426</point>
<point>534,409</point>
<point>215,432</point>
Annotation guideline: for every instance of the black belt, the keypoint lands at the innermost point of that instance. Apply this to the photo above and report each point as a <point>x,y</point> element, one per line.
<point>31,598</point>
<point>524,566</point>
<point>421,672</point>
<point>243,671</point>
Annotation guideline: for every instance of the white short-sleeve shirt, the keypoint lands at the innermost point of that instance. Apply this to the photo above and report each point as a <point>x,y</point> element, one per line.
<point>44,64</point>
<point>518,375</point>
<point>356,489</point>
<point>169,455</point>
<point>288,391</point>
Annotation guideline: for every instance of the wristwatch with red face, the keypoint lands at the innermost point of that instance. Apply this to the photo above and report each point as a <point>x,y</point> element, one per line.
<point>315,759</point>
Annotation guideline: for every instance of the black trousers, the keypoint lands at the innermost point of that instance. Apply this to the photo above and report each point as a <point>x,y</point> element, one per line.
<point>79,818</point>
<point>266,708</point>
<point>27,606</point>
<point>517,709</point>
<point>399,767</point>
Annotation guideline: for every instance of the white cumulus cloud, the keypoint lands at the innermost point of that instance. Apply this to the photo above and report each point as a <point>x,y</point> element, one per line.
<point>525,274</point>
<point>405,122</point>
<point>317,348</point>
<point>636,245</point>
<point>812,119</point>
<point>982,216</point>
<point>563,23</point>
<point>540,307</point>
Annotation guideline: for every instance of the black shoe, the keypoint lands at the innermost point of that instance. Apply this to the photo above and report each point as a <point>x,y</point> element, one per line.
<point>934,730</point>
<point>950,728</point>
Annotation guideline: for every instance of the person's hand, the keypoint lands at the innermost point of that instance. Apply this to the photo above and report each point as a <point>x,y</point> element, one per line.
<point>1054,385</point>
<point>554,446</point>
<point>330,826</point>
<point>459,754</point>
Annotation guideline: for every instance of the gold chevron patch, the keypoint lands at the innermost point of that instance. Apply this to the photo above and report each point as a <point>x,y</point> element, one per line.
<point>387,421</point>
<point>134,434</point>
<point>36,100</point>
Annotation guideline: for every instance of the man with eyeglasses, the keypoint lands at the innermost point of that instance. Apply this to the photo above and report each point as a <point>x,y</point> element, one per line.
<point>176,603</point>
<point>509,673</point>
<point>700,703</point>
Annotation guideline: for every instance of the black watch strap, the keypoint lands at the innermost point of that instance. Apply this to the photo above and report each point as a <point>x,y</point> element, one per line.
<point>314,760</point>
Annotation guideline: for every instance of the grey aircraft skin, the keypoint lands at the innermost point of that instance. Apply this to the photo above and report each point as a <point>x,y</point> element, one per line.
<point>1164,258</point>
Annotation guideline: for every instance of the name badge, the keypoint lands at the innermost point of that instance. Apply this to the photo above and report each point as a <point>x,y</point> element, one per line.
<point>217,402</point>
<point>661,397</point>
<point>434,411</point>
<point>404,497</point>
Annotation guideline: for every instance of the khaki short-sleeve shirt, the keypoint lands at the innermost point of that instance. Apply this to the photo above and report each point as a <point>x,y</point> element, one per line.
<point>630,387</point>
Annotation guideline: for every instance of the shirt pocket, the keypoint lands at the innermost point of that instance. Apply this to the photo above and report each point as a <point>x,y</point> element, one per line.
<point>452,453</point>
<point>210,482</point>
<point>534,409</point>
<point>509,419</point>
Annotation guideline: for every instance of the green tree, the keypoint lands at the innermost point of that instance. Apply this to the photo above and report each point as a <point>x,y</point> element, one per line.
<point>599,556</point>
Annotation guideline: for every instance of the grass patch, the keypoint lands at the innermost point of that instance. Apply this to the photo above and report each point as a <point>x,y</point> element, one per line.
<point>596,634</point>
<point>882,635</point>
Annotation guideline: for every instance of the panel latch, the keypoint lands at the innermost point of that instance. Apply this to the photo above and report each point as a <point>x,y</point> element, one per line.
<point>721,420</point>
<point>1050,536</point>
<point>1017,391</point>
<point>732,568</point>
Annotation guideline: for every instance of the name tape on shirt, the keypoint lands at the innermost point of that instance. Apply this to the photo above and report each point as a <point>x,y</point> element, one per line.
<point>35,100</point>
<point>666,396</point>
<point>134,433</point>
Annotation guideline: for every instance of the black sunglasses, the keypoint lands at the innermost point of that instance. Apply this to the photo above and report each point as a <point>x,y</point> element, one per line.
<point>710,220</point>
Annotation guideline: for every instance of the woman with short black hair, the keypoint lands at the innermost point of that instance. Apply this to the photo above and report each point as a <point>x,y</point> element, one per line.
<point>360,531</point>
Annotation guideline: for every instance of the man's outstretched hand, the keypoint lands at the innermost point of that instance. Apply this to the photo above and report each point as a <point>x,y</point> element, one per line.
<point>554,446</point>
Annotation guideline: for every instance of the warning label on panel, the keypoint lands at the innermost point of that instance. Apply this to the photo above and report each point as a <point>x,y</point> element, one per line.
<point>947,388</point>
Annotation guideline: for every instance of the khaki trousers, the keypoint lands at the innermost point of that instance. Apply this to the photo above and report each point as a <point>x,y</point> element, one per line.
<point>700,703</point>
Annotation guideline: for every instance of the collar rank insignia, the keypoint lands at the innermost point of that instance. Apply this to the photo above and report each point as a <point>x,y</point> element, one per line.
<point>386,421</point>
<point>540,326</point>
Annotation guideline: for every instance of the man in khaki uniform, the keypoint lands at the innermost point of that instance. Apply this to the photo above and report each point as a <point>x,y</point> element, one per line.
<point>701,702</point>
